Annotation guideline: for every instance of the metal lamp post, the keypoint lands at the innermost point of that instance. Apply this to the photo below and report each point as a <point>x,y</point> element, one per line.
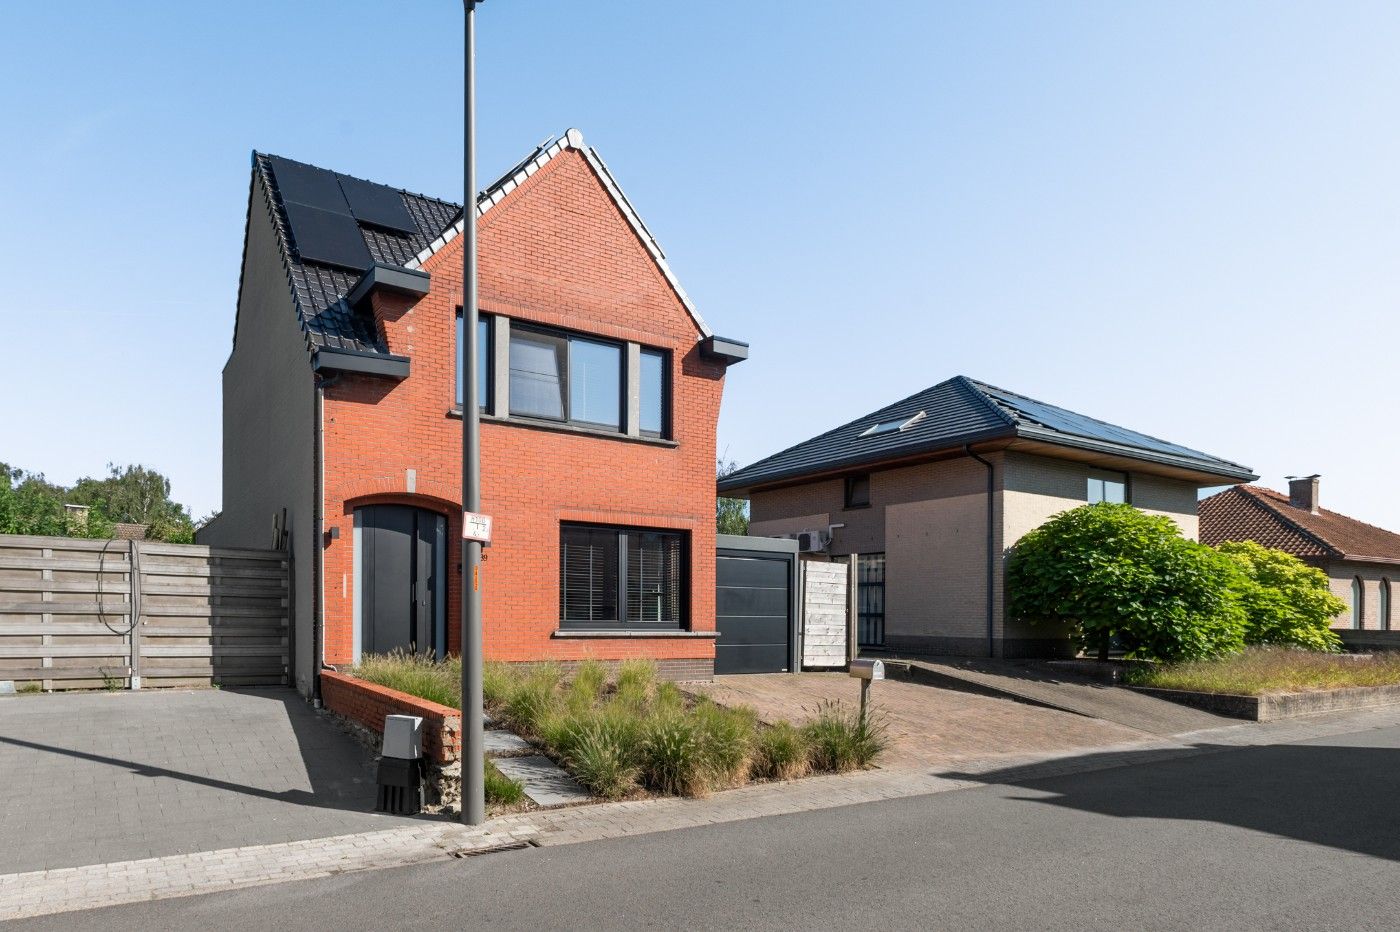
<point>473,756</point>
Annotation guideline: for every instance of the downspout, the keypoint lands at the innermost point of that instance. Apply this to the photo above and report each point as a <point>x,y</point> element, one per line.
<point>318,646</point>
<point>991,548</point>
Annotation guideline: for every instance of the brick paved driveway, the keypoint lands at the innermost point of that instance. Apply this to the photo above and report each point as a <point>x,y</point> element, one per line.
<point>929,728</point>
<point>88,778</point>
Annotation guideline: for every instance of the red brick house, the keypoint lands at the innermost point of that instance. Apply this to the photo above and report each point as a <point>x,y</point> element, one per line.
<point>601,390</point>
<point>1362,561</point>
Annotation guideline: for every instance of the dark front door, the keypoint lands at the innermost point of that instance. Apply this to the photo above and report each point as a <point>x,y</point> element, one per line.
<point>753,612</point>
<point>401,579</point>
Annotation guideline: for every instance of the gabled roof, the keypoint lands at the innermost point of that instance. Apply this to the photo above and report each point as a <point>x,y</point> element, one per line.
<point>320,289</point>
<point>1248,512</point>
<point>963,411</point>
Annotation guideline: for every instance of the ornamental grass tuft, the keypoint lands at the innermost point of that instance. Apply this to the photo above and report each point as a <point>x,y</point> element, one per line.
<point>781,753</point>
<point>841,741</point>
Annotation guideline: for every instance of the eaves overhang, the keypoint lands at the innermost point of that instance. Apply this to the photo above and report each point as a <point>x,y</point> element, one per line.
<point>382,365</point>
<point>388,279</point>
<point>1232,472</point>
<point>724,350</point>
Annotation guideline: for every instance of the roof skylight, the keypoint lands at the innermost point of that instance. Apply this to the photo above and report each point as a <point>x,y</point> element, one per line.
<point>889,427</point>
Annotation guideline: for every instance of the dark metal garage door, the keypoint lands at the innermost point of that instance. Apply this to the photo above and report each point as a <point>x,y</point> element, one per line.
<point>754,606</point>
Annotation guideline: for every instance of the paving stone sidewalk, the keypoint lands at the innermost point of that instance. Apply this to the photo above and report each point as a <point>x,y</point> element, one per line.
<point>66,889</point>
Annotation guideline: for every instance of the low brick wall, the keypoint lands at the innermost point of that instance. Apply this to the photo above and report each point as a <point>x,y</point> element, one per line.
<point>1282,705</point>
<point>368,703</point>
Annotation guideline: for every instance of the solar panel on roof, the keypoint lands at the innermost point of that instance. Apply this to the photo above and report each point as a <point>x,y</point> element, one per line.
<point>309,185</point>
<point>326,236</point>
<point>377,204</point>
<point>1080,426</point>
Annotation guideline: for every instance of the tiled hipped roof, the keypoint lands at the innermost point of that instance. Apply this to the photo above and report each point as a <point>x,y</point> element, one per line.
<point>964,411</point>
<point>1249,512</point>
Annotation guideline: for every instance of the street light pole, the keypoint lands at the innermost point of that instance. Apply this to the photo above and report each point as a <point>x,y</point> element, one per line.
<point>473,755</point>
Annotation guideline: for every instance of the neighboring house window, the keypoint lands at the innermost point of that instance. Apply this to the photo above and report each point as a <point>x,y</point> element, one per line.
<point>1110,487</point>
<point>621,576</point>
<point>1385,604</point>
<point>857,491</point>
<point>870,600</point>
<point>652,416</point>
<point>483,361</point>
<point>564,377</point>
<point>1358,603</point>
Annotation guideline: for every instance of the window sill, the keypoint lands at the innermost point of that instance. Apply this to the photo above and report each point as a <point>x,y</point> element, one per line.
<point>630,633</point>
<point>557,427</point>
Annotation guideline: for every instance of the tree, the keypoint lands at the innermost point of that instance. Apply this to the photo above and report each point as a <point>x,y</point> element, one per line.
<point>137,495</point>
<point>30,504</point>
<point>1115,573</point>
<point>1286,602</point>
<point>731,514</point>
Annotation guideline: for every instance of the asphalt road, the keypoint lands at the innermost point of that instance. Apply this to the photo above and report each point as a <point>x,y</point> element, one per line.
<point>1301,836</point>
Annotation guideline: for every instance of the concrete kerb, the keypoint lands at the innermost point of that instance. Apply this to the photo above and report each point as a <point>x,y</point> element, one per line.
<point>67,889</point>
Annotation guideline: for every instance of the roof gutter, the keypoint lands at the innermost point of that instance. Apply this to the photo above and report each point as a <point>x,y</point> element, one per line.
<point>991,549</point>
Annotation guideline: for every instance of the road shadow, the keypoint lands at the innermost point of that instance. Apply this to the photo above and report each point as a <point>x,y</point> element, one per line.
<point>1338,796</point>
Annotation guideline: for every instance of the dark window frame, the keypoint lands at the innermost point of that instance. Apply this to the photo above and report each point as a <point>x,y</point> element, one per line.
<point>458,358</point>
<point>852,485</point>
<point>665,356</point>
<point>565,337</point>
<point>623,623</point>
<point>870,624</point>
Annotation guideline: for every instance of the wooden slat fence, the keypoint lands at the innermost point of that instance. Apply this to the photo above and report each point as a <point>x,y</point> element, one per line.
<point>203,615</point>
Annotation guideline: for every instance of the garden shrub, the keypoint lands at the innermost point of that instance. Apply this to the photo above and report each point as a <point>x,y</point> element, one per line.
<point>673,760</point>
<point>1110,572</point>
<point>841,741</point>
<point>726,738</point>
<point>603,753</point>
<point>780,753</point>
<point>1285,601</point>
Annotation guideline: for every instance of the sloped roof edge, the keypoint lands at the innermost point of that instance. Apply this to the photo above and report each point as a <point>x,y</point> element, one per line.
<point>572,139</point>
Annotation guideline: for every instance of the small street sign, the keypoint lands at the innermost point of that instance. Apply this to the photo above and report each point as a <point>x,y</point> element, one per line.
<point>476,527</point>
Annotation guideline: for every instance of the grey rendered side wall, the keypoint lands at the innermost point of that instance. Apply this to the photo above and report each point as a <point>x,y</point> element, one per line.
<point>269,427</point>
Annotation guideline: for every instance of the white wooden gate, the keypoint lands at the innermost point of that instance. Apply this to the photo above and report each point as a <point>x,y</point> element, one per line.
<point>824,621</point>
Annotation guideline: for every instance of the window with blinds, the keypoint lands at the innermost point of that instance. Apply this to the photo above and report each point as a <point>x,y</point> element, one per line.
<point>621,576</point>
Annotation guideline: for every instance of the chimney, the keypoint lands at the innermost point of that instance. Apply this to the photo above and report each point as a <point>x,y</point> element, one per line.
<point>1302,492</point>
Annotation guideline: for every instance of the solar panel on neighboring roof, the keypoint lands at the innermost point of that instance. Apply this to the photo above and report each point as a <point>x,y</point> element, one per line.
<point>309,185</point>
<point>326,236</point>
<point>377,204</point>
<point>1080,426</point>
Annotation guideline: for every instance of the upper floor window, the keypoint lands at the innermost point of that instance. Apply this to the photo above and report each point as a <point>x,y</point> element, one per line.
<point>652,401</point>
<point>1108,487</point>
<point>563,377</point>
<point>857,491</point>
<point>483,360</point>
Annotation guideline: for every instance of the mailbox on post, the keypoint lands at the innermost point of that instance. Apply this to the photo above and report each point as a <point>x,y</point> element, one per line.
<point>867,671</point>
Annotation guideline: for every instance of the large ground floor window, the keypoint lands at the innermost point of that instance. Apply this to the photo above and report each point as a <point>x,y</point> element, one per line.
<point>621,576</point>
<point>870,600</point>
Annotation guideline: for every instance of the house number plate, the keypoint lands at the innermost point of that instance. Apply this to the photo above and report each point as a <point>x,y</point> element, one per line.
<point>476,527</point>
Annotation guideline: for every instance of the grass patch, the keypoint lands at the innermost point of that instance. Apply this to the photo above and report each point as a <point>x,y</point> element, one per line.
<point>416,674</point>
<point>34,687</point>
<point>1261,670</point>
<point>501,790</point>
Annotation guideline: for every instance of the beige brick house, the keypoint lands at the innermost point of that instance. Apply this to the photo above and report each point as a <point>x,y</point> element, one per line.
<point>928,494</point>
<point>1362,561</point>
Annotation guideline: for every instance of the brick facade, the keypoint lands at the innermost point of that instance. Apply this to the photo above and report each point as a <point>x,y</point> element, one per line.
<point>1373,576</point>
<point>555,251</point>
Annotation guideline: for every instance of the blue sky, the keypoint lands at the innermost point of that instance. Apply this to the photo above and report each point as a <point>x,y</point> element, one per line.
<point>1181,218</point>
